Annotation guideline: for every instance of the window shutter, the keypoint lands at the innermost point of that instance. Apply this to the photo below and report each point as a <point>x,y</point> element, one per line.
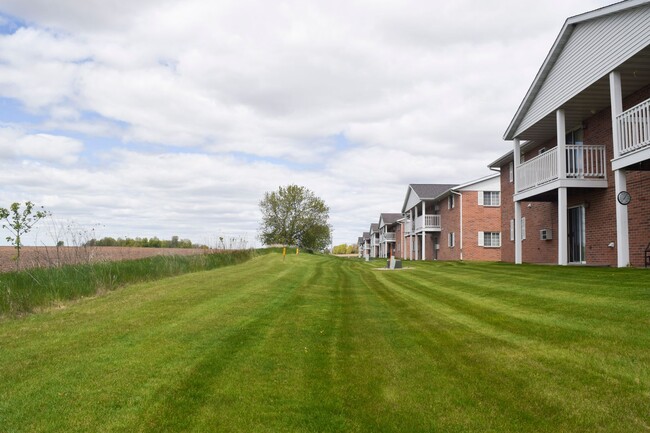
<point>499,239</point>
<point>523,228</point>
<point>481,239</point>
<point>481,198</point>
<point>511,170</point>
<point>498,194</point>
<point>512,230</point>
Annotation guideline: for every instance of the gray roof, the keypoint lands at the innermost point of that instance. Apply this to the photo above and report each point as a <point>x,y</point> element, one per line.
<point>430,190</point>
<point>390,218</point>
<point>366,235</point>
<point>374,227</point>
<point>360,240</point>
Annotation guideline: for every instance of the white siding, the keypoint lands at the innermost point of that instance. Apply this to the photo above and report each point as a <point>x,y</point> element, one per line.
<point>594,48</point>
<point>412,201</point>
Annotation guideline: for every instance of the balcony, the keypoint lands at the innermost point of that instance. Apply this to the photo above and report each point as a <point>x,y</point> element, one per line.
<point>387,237</point>
<point>633,135</point>
<point>427,223</point>
<point>585,167</point>
<point>408,227</point>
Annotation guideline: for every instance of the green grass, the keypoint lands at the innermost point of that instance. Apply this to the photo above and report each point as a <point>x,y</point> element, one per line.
<point>25,291</point>
<point>318,344</point>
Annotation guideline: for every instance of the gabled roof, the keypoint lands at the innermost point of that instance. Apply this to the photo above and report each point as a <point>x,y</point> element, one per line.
<point>429,190</point>
<point>389,218</point>
<point>366,235</point>
<point>467,185</point>
<point>596,48</point>
<point>424,191</point>
<point>374,227</point>
<point>360,240</point>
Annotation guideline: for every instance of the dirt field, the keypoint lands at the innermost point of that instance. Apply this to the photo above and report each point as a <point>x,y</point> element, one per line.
<point>52,256</point>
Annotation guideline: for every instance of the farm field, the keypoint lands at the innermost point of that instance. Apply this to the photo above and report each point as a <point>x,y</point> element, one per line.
<point>48,256</point>
<point>318,343</point>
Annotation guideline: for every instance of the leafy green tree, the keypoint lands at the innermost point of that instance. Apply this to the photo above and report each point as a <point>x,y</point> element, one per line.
<point>340,249</point>
<point>293,215</point>
<point>19,223</point>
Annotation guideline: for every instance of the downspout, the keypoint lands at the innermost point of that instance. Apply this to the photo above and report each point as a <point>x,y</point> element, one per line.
<point>461,222</point>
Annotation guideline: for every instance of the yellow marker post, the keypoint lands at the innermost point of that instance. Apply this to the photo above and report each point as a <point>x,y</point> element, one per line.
<point>284,253</point>
<point>296,251</point>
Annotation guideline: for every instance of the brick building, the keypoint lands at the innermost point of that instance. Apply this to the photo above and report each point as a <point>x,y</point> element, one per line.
<point>453,222</point>
<point>388,226</point>
<point>581,146</point>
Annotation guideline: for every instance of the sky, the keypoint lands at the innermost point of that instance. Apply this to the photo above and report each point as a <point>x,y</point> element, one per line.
<point>173,117</point>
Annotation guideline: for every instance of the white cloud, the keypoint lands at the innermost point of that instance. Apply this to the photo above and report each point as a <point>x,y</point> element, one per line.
<point>15,144</point>
<point>415,87</point>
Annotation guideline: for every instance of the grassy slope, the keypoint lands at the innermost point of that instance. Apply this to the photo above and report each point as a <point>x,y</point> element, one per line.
<point>327,344</point>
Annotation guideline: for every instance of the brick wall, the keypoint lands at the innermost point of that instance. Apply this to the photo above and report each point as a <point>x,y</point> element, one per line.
<point>475,219</point>
<point>450,222</point>
<point>599,204</point>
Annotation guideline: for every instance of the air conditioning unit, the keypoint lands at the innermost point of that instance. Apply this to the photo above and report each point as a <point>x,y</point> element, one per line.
<point>545,234</point>
<point>437,246</point>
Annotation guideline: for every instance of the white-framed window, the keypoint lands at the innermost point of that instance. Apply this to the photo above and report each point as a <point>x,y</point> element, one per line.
<point>511,171</point>
<point>512,229</point>
<point>523,228</point>
<point>451,239</point>
<point>489,239</point>
<point>489,198</point>
<point>450,201</point>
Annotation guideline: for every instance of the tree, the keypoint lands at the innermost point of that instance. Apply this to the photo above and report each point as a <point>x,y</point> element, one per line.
<point>20,223</point>
<point>293,215</point>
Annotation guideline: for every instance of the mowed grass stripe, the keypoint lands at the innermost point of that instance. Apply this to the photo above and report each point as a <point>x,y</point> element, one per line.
<point>157,340</point>
<point>593,367</point>
<point>322,344</point>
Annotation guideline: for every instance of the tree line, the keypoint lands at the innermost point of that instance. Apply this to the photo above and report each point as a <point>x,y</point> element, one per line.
<point>153,242</point>
<point>345,249</point>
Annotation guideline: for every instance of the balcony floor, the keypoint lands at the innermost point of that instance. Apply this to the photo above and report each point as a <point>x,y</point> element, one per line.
<point>560,183</point>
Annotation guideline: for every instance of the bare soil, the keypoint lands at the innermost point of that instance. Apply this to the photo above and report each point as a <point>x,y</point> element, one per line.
<point>31,257</point>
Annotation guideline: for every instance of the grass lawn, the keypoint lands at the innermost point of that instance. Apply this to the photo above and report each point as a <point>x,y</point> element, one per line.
<point>328,344</point>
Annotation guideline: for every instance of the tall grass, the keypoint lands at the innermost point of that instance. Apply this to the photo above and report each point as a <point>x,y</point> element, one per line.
<point>27,290</point>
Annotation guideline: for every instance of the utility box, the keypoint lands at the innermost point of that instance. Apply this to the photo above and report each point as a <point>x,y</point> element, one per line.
<point>545,234</point>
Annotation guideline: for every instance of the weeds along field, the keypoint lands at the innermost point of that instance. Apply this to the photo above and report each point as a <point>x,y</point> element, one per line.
<point>41,257</point>
<point>36,288</point>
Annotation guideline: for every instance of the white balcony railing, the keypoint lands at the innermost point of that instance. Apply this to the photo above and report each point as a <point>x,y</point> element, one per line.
<point>388,237</point>
<point>634,128</point>
<point>582,162</point>
<point>427,222</point>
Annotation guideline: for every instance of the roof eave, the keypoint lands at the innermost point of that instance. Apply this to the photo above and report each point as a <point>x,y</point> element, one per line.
<point>556,49</point>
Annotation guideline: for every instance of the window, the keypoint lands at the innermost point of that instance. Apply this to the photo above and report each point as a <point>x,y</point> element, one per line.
<point>511,171</point>
<point>542,150</point>
<point>450,201</point>
<point>489,198</point>
<point>523,228</point>
<point>451,241</point>
<point>512,230</point>
<point>489,239</point>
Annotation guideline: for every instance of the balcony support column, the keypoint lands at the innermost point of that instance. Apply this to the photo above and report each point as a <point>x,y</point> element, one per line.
<point>620,176</point>
<point>424,251</point>
<point>411,235</point>
<point>562,223</point>
<point>517,222</point>
<point>516,161</point>
<point>561,144</point>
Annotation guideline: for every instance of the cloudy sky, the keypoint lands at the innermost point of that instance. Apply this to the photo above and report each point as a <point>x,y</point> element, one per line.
<point>173,117</point>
